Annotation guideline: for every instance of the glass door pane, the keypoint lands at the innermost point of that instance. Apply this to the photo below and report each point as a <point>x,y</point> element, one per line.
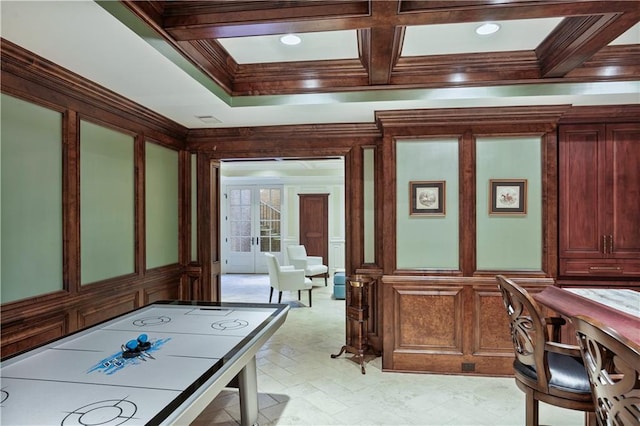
<point>254,217</point>
<point>270,215</point>
<point>240,220</point>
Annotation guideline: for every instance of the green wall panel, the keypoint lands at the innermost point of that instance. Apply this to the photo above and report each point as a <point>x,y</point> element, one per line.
<point>31,233</point>
<point>107,203</point>
<point>509,242</point>
<point>161,205</point>
<point>427,242</point>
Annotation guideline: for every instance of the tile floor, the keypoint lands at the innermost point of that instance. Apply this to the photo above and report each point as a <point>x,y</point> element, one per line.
<point>299,383</point>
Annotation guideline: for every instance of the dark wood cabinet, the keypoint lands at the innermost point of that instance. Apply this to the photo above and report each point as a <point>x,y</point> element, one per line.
<point>599,192</point>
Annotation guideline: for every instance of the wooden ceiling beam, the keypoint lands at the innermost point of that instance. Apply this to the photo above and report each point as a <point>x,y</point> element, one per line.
<point>577,39</point>
<point>380,46</point>
<point>263,18</point>
<point>453,11</point>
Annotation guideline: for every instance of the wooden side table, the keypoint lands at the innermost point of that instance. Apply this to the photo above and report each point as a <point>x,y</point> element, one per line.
<point>357,300</point>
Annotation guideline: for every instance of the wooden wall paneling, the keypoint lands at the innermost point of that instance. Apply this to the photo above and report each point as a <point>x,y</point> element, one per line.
<point>387,231</point>
<point>35,331</point>
<point>161,291</point>
<point>191,272</point>
<point>467,197</point>
<point>214,289</point>
<point>492,335</point>
<point>204,227</point>
<point>354,205</point>
<point>184,207</point>
<point>447,325</point>
<point>108,308</point>
<point>140,210</point>
<point>29,322</point>
<point>550,203</point>
<point>71,202</point>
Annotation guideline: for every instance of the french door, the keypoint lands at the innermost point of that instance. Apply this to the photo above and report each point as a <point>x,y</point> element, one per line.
<point>254,223</point>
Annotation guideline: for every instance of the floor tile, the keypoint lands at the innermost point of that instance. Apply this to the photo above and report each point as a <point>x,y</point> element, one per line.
<point>300,384</point>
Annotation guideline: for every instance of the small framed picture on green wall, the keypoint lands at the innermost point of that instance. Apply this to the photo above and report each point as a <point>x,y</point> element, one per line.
<point>508,196</point>
<point>427,198</point>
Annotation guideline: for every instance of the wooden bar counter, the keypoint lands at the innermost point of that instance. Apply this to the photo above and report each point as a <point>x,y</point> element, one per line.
<point>624,317</point>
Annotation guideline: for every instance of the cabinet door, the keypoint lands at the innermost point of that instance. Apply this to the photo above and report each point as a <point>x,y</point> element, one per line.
<point>582,192</point>
<point>623,168</point>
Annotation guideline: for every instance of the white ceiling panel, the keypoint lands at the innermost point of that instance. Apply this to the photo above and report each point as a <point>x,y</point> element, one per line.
<point>313,47</point>
<point>440,39</point>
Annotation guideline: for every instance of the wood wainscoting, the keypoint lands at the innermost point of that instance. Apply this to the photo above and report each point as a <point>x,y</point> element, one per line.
<point>454,325</point>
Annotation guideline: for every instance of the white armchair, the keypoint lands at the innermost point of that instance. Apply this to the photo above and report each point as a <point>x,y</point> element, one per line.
<point>312,265</point>
<point>286,278</point>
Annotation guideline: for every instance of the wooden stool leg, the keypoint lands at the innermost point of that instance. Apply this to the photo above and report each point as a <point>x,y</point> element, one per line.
<point>531,410</point>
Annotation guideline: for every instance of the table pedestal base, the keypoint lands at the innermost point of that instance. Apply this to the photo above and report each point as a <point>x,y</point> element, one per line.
<point>358,355</point>
<point>357,294</point>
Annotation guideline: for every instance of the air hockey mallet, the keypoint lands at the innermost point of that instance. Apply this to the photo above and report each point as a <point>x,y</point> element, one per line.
<point>137,348</point>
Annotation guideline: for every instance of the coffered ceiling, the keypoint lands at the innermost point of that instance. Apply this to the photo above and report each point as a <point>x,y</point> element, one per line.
<point>362,44</point>
<point>221,63</point>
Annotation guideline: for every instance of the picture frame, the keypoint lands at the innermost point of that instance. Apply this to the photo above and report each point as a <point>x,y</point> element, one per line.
<point>507,196</point>
<point>427,198</point>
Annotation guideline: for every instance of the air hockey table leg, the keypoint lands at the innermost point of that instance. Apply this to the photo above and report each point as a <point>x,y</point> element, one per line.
<point>248,389</point>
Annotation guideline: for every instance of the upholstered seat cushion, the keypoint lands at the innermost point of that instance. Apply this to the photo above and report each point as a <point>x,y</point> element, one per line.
<point>567,373</point>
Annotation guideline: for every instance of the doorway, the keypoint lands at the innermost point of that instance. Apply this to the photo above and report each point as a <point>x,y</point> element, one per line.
<point>253,225</point>
<point>292,177</point>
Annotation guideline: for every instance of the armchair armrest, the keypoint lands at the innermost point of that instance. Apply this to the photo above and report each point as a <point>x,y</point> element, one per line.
<point>298,263</point>
<point>562,348</point>
<point>314,260</point>
<point>287,267</point>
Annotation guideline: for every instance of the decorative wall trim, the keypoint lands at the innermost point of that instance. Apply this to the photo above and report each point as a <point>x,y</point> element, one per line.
<point>29,66</point>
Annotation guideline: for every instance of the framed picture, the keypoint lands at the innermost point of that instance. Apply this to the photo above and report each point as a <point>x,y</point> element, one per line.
<point>427,198</point>
<point>508,196</point>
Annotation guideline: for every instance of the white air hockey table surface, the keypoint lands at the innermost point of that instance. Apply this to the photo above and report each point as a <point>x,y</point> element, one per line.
<point>196,349</point>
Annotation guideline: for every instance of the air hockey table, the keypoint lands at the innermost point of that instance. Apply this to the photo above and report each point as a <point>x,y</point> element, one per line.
<point>159,364</point>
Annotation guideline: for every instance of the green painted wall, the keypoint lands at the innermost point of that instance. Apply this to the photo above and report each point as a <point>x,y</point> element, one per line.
<point>161,205</point>
<point>427,242</point>
<point>511,242</point>
<point>31,232</point>
<point>106,203</point>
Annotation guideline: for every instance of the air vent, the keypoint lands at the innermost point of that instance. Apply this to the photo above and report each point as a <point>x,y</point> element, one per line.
<point>209,119</point>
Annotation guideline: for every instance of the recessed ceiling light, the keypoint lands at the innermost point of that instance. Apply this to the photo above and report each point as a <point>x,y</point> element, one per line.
<point>488,28</point>
<point>290,39</point>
